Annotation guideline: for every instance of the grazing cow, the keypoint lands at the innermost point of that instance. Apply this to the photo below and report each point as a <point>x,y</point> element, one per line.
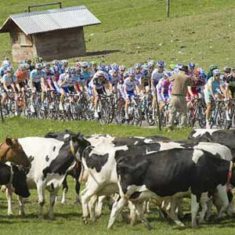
<point>52,160</point>
<point>12,151</point>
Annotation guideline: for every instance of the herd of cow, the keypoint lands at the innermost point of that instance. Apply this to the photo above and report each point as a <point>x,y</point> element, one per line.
<point>134,169</point>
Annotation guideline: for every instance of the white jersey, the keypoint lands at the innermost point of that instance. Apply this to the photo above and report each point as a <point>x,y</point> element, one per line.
<point>130,85</point>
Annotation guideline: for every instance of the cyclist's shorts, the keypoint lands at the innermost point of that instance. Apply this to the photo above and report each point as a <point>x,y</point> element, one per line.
<point>68,89</point>
<point>100,91</point>
<point>129,95</point>
<point>207,97</point>
<point>37,86</point>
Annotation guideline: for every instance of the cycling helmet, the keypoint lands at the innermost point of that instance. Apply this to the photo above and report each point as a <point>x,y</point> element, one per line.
<point>150,64</point>
<point>38,66</point>
<point>216,72</point>
<point>9,70</point>
<point>161,63</point>
<point>167,74</point>
<point>115,67</point>
<point>131,72</point>
<point>84,64</point>
<point>138,66</point>
<point>191,65</point>
<point>122,68</point>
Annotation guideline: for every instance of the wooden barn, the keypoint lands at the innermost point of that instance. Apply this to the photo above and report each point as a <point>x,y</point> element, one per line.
<point>50,34</point>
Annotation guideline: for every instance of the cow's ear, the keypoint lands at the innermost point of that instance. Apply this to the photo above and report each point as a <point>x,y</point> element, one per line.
<point>9,141</point>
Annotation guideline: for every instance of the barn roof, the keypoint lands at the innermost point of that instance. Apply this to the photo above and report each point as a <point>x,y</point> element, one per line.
<point>50,20</point>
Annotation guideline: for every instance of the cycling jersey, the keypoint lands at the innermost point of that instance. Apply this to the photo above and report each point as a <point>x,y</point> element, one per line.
<point>66,80</point>
<point>156,76</point>
<point>163,89</point>
<point>22,75</point>
<point>8,80</point>
<point>130,84</point>
<point>36,75</point>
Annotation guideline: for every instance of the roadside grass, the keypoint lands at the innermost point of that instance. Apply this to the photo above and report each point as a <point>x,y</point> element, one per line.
<point>21,127</point>
<point>201,31</point>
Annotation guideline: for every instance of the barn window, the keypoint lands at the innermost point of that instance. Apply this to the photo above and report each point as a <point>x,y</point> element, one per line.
<point>25,41</point>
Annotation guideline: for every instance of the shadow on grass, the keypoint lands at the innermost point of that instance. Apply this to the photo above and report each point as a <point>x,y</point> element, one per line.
<point>97,53</point>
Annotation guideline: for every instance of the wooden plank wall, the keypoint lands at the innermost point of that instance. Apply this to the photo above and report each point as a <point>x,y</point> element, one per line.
<point>60,44</point>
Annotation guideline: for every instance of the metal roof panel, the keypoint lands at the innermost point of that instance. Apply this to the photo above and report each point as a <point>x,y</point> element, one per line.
<point>56,19</point>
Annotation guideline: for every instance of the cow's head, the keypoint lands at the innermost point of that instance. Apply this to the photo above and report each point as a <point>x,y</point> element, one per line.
<point>77,145</point>
<point>12,151</point>
<point>130,169</point>
<point>19,182</point>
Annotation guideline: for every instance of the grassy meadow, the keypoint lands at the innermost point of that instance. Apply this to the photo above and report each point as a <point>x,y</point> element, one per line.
<point>132,31</point>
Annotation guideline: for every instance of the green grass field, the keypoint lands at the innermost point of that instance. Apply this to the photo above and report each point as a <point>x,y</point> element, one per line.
<point>198,30</point>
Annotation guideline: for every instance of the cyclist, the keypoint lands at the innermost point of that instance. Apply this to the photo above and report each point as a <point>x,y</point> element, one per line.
<point>157,74</point>
<point>212,92</point>
<point>85,76</point>
<point>231,82</point>
<point>131,88</point>
<point>98,85</point>
<point>9,84</point>
<point>22,77</point>
<point>67,84</point>
<point>163,90</point>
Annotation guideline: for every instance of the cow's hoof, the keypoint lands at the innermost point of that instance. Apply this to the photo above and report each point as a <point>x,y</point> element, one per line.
<point>22,214</point>
<point>85,220</point>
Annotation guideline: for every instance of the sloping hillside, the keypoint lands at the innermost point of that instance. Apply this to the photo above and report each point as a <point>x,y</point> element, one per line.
<point>133,31</point>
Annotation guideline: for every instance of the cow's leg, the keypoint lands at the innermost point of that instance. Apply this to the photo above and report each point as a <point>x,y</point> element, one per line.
<point>77,189</point>
<point>140,213</point>
<point>204,205</point>
<point>41,197</point>
<point>194,209</point>
<point>9,199</point>
<point>231,209</point>
<point>223,197</point>
<point>99,206</point>
<point>133,214</point>
<point>173,212</point>
<point>65,190</point>
<point>209,209</point>
<point>53,194</point>
<point>91,206</point>
<point>117,207</point>
<point>21,206</point>
<point>86,195</point>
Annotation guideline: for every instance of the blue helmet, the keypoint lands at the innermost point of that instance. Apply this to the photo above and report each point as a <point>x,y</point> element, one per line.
<point>191,65</point>
<point>161,63</point>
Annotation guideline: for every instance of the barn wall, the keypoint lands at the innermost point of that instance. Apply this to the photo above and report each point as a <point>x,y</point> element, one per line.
<point>60,44</point>
<point>22,45</point>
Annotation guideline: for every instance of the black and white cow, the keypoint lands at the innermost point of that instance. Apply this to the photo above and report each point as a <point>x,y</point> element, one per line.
<point>51,161</point>
<point>100,163</point>
<point>167,173</point>
<point>14,178</point>
<point>225,137</point>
